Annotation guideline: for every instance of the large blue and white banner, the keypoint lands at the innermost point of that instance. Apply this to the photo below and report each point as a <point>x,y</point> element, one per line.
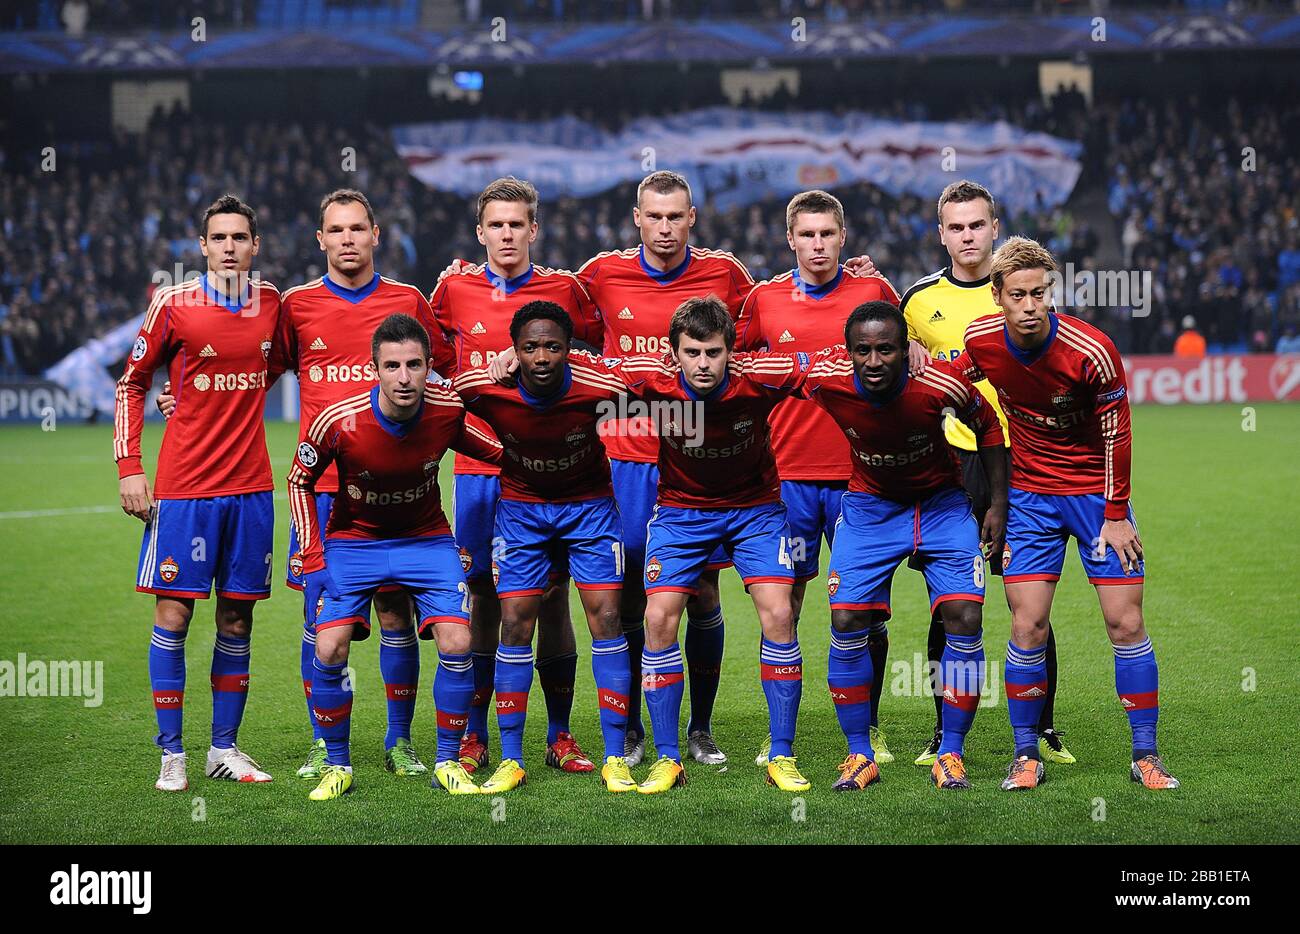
<point>736,157</point>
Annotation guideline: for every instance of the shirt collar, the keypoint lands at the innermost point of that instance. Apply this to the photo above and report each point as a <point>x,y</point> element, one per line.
<point>1027,357</point>
<point>715,393</point>
<point>509,285</point>
<point>962,284</point>
<point>355,296</point>
<point>543,402</point>
<point>229,302</point>
<point>817,292</point>
<point>397,429</point>
<point>663,277</point>
<point>880,398</point>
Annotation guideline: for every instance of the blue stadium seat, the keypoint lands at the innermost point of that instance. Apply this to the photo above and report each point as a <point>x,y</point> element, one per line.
<point>336,16</point>
<point>294,12</point>
<point>358,16</point>
<point>314,16</point>
<point>269,13</point>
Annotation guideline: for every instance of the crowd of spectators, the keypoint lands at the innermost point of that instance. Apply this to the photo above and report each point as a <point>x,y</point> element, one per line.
<point>83,246</point>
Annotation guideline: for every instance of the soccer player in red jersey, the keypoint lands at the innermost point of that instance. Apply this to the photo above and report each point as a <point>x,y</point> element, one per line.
<point>555,496</point>
<point>905,498</point>
<point>1061,383</point>
<point>804,310</point>
<point>717,488</point>
<point>475,309</point>
<point>209,515</point>
<point>324,337</point>
<point>386,526</point>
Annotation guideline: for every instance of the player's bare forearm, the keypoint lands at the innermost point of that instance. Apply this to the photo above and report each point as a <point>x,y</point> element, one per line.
<point>918,358</point>
<point>994,459</point>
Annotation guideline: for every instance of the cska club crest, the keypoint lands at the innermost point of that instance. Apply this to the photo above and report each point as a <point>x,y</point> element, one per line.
<point>575,437</point>
<point>1062,398</point>
<point>742,427</point>
<point>466,560</point>
<point>430,466</point>
<point>653,569</point>
<point>496,574</point>
<point>833,582</point>
<point>1006,557</point>
<point>320,605</point>
<point>169,569</point>
<point>266,348</point>
<point>295,564</point>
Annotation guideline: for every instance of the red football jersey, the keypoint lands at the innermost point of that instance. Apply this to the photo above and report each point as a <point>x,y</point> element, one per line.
<point>216,357</point>
<point>897,439</point>
<point>715,451</point>
<point>324,337</point>
<point>552,446</point>
<point>475,309</point>
<point>388,470</point>
<point>787,315</point>
<point>1066,406</point>
<point>637,301</point>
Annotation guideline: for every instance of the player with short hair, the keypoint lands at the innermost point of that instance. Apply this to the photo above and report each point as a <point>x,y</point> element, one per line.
<point>209,517</point>
<point>1062,386</point>
<point>804,310</point>
<point>324,337</point>
<point>905,499</point>
<point>718,487</point>
<point>386,527</point>
<point>555,497</point>
<point>475,309</point>
<point>938,309</point>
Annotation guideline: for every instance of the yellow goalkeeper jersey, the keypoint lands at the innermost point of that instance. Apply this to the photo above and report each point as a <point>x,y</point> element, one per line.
<point>938,309</point>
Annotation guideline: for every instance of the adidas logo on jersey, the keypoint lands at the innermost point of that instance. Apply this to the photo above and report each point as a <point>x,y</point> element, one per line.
<point>625,315</point>
<point>365,475</point>
<point>851,433</point>
<point>207,351</point>
<point>785,338</point>
<point>511,438</point>
<point>317,344</point>
<point>937,316</point>
<point>478,328</point>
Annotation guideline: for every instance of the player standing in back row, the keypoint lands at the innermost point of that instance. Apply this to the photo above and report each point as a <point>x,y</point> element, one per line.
<point>938,309</point>
<point>209,517</point>
<point>1062,386</point>
<point>804,310</point>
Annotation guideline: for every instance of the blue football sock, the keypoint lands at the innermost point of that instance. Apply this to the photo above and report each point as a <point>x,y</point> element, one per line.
<point>485,670</point>
<point>634,632</point>
<point>609,666</point>
<point>878,644</point>
<point>704,644</point>
<point>557,675</point>
<point>1137,681</point>
<point>230,657</point>
<point>962,665</point>
<point>399,666</point>
<point>661,679</point>
<point>331,694</point>
<point>1026,685</point>
<point>514,678</point>
<point>848,674</point>
<point>782,677</point>
<point>453,686</point>
<point>167,678</point>
<point>307,662</point>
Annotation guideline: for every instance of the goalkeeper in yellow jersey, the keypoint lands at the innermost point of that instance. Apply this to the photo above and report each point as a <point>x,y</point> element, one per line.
<point>938,308</point>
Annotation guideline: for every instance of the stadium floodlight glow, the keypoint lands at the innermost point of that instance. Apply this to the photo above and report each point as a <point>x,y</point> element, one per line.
<point>468,80</point>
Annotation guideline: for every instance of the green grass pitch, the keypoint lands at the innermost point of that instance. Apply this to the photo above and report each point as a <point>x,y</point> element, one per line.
<point>1216,504</point>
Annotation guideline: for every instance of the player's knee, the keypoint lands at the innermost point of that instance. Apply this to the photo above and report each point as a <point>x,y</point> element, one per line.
<point>331,652</point>
<point>1126,628</point>
<point>963,617</point>
<point>605,622</point>
<point>851,620</point>
<point>453,640</point>
<point>172,615</point>
<point>516,628</point>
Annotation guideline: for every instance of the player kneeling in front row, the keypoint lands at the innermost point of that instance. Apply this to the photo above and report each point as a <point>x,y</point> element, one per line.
<point>905,498</point>
<point>387,527</point>
<point>1061,383</point>
<point>555,498</point>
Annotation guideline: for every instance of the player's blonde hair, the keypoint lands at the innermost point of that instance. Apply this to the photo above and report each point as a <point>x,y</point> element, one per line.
<point>509,189</point>
<point>963,191</point>
<point>664,183</point>
<point>1016,255</point>
<point>814,202</point>
<point>345,196</point>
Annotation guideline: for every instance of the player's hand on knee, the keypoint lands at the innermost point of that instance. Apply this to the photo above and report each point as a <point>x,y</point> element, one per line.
<point>1120,535</point>
<point>501,370</point>
<point>166,401</point>
<point>918,358</point>
<point>137,498</point>
<point>861,266</point>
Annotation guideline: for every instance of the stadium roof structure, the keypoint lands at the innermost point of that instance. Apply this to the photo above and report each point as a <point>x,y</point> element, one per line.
<point>475,45</point>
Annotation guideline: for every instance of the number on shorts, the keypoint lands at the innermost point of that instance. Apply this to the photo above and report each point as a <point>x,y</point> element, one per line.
<point>268,570</point>
<point>978,569</point>
<point>464,595</point>
<point>617,548</point>
<point>783,555</point>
